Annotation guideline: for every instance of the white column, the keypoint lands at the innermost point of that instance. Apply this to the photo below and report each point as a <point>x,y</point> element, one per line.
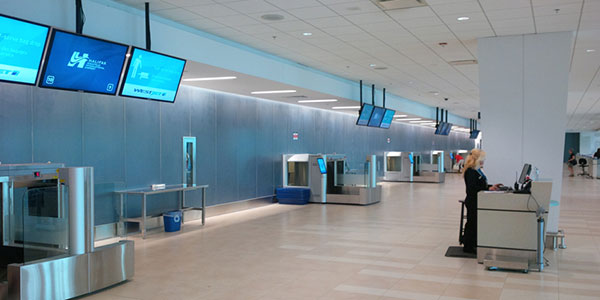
<point>523,83</point>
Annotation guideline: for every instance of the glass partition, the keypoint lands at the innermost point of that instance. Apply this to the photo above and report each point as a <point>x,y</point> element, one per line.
<point>297,173</point>
<point>394,163</point>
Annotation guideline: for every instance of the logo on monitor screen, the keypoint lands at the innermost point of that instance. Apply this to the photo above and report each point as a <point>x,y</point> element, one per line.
<point>78,60</point>
<point>83,61</point>
<point>9,72</point>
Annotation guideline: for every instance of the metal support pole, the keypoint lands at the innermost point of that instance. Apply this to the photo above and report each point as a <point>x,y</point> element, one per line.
<point>540,244</point>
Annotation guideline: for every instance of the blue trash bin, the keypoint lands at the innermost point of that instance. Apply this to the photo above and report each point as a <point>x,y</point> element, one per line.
<point>172,221</point>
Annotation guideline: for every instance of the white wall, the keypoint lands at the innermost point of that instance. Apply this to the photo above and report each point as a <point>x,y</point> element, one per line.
<point>589,142</point>
<point>523,83</point>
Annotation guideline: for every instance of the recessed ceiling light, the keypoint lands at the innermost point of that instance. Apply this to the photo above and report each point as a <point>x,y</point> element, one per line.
<point>210,78</point>
<point>272,17</point>
<point>307,34</point>
<point>317,101</point>
<point>346,107</point>
<point>273,92</point>
<point>463,18</point>
<point>409,119</point>
<point>400,116</point>
<point>590,50</point>
<point>372,65</point>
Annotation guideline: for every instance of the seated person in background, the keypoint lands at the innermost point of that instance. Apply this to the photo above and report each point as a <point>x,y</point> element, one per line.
<point>459,161</point>
<point>475,181</point>
<point>597,154</point>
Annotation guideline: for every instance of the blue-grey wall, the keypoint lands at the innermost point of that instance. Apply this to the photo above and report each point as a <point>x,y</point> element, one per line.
<point>571,142</point>
<point>135,143</point>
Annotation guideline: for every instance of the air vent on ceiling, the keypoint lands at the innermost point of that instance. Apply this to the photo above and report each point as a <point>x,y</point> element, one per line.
<point>399,4</point>
<point>463,62</point>
<point>380,68</point>
<point>297,97</point>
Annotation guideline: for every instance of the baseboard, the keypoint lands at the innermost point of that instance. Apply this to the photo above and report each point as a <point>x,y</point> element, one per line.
<point>107,231</point>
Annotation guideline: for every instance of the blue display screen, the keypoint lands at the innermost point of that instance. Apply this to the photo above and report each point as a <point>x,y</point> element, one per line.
<point>447,128</point>
<point>322,166</point>
<point>153,76</point>
<point>440,128</point>
<point>21,47</point>
<point>474,134</point>
<point>365,115</point>
<point>81,63</point>
<point>376,117</point>
<point>388,117</point>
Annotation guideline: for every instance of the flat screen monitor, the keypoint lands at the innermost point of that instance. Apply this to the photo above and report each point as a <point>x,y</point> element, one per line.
<point>447,128</point>
<point>524,173</point>
<point>440,128</point>
<point>474,134</point>
<point>82,63</point>
<point>388,117</point>
<point>152,76</point>
<point>376,116</point>
<point>365,115</point>
<point>22,45</point>
<point>322,166</point>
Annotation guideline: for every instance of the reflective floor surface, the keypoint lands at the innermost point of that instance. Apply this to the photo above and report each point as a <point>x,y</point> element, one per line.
<point>391,250</point>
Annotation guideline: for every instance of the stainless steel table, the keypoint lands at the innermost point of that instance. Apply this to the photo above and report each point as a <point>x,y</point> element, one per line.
<point>144,192</point>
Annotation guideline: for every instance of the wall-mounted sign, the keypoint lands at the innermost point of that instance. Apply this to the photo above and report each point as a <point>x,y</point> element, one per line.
<point>295,136</point>
<point>389,140</point>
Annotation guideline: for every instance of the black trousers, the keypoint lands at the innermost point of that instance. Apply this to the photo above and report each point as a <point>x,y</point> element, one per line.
<point>470,235</point>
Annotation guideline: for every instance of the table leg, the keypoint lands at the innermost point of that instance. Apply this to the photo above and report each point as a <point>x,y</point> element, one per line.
<point>182,204</point>
<point>203,204</point>
<point>143,216</point>
<point>121,222</point>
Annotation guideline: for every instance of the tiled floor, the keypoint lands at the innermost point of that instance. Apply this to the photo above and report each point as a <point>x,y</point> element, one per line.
<point>391,250</point>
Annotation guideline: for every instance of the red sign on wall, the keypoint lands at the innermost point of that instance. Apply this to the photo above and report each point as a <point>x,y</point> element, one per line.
<point>295,136</point>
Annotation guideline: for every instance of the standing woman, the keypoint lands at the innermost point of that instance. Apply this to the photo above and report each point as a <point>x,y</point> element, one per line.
<point>475,182</point>
<point>571,162</point>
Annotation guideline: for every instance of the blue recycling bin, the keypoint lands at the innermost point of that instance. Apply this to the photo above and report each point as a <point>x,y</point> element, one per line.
<point>172,221</point>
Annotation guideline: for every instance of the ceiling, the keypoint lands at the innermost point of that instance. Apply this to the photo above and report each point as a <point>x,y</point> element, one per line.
<point>244,84</point>
<point>400,49</point>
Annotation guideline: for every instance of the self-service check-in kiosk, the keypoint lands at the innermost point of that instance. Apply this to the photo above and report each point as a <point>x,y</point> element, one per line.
<point>330,180</point>
<point>414,166</point>
<point>397,166</point>
<point>47,234</point>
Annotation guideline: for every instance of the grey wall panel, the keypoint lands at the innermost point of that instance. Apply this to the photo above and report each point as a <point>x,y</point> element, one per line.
<point>57,134</point>
<point>226,156</point>
<point>174,125</point>
<point>203,127</point>
<point>265,154</point>
<point>15,123</point>
<point>104,137</point>
<point>142,146</point>
<point>246,147</point>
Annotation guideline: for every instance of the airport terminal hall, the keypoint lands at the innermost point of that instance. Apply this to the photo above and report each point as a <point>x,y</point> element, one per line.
<point>300,149</point>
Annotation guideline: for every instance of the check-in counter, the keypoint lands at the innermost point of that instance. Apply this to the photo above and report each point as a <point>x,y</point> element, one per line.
<point>507,224</point>
<point>429,173</point>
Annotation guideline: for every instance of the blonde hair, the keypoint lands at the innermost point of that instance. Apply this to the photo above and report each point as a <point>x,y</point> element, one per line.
<point>474,159</point>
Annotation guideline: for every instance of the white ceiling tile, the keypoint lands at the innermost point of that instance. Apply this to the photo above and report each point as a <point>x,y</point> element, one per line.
<point>287,4</point>
<point>355,7</point>
<point>343,30</point>
<point>177,14</point>
<point>329,22</point>
<point>251,6</point>
<point>291,26</point>
<point>212,10</point>
<point>236,21</point>
<point>368,18</point>
<point>504,4</point>
<point>457,8</point>
<point>422,22</point>
<point>202,24</point>
<point>312,12</point>
<point>411,13</point>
